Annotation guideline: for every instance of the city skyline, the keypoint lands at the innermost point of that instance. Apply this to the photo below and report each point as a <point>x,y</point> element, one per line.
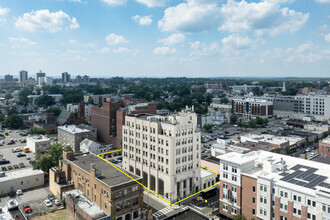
<point>166,38</point>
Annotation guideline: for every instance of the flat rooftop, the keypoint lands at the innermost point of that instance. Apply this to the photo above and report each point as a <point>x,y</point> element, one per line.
<point>300,174</point>
<point>85,204</point>
<point>326,141</point>
<point>38,138</point>
<point>72,129</point>
<point>12,175</point>
<point>321,159</point>
<point>109,175</point>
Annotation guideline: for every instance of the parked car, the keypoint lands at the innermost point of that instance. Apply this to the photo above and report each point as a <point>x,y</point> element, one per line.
<point>21,165</point>
<point>3,161</point>
<point>48,203</point>
<point>28,158</point>
<point>3,168</point>
<point>51,197</point>
<point>15,166</point>
<point>19,192</point>
<point>10,167</point>
<point>17,149</point>
<point>56,202</point>
<point>20,154</point>
<point>27,209</point>
<point>11,142</point>
<point>12,194</point>
<point>23,141</point>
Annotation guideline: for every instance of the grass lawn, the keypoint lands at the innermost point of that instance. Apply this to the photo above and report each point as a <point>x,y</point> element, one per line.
<point>52,135</point>
<point>58,215</point>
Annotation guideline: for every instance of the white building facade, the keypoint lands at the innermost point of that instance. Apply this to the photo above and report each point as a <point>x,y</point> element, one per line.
<point>165,151</point>
<point>38,143</point>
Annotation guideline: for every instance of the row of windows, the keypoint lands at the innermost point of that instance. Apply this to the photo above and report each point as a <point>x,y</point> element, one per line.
<point>233,168</point>
<point>126,204</point>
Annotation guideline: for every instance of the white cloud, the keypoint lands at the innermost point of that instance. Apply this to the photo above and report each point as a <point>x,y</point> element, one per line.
<point>235,41</point>
<point>263,17</point>
<point>173,39</point>
<point>121,50</point>
<point>115,2</point>
<point>202,49</point>
<point>164,51</point>
<point>327,37</point>
<point>4,11</point>
<point>21,42</point>
<point>305,47</point>
<point>113,39</point>
<point>191,16</point>
<point>142,20</point>
<point>323,1</point>
<point>104,50</point>
<point>44,20</point>
<point>153,3</point>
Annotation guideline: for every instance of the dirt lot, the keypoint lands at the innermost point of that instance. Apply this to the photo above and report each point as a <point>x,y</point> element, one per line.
<point>57,215</point>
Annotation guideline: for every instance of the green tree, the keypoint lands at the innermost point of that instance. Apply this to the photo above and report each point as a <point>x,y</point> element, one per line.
<point>50,159</point>
<point>45,100</point>
<point>233,119</point>
<point>208,127</point>
<point>257,91</point>
<point>224,100</point>
<point>13,121</point>
<point>8,96</point>
<point>34,130</point>
<point>23,95</point>
<point>55,110</point>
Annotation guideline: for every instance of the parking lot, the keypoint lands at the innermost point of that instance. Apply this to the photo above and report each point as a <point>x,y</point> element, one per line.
<point>35,199</point>
<point>6,152</point>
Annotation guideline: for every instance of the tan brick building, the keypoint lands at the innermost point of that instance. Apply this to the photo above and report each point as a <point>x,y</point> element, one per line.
<point>266,185</point>
<point>116,194</point>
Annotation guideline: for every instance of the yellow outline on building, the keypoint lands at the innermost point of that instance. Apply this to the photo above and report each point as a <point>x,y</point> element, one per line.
<point>99,155</point>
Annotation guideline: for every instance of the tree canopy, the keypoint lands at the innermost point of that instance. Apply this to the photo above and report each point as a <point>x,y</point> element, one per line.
<point>45,100</point>
<point>13,121</point>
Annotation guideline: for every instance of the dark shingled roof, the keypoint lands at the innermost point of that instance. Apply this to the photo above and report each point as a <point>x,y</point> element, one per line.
<point>63,117</point>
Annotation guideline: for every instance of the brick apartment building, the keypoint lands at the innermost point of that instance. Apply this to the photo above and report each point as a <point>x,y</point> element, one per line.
<point>252,108</point>
<point>266,185</point>
<point>116,194</point>
<point>110,118</point>
<point>324,147</point>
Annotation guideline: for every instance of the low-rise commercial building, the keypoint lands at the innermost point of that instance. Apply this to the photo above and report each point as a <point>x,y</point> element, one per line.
<point>324,147</point>
<point>38,143</point>
<point>22,179</point>
<point>265,185</point>
<point>116,194</point>
<point>72,135</point>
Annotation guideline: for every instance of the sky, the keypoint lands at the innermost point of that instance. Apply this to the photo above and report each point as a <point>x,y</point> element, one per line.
<point>166,38</point>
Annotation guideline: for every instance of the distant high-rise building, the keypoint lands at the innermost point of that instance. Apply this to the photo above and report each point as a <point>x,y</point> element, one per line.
<point>47,80</point>
<point>65,77</point>
<point>38,76</point>
<point>23,76</point>
<point>78,79</point>
<point>9,78</point>
<point>85,79</point>
<point>284,87</point>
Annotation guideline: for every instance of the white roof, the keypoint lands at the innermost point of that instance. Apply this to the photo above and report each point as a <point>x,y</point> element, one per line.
<point>206,173</point>
<point>19,174</point>
<point>38,138</point>
<point>265,159</point>
<point>73,129</point>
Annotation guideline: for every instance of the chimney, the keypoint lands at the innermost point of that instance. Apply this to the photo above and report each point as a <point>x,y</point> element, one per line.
<point>92,169</point>
<point>67,155</point>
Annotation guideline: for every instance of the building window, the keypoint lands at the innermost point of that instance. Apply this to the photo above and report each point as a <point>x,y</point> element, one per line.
<point>118,194</point>
<point>225,175</point>
<point>224,207</point>
<point>253,200</point>
<point>234,169</point>
<point>253,188</point>
<point>127,204</point>
<point>135,201</point>
<point>118,206</point>
<point>253,211</point>
<point>234,178</point>
<point>105,205</point>
<point>225,166</point>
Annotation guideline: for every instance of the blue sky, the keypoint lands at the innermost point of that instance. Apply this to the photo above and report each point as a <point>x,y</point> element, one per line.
<point>161,38</point>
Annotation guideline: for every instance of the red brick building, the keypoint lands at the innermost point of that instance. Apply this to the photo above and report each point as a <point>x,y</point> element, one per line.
<point>324,147</point>
<point>110,118</point>
<point>252,108</point>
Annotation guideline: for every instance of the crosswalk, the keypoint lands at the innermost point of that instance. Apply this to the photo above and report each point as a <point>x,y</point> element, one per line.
<point>161,212</point>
